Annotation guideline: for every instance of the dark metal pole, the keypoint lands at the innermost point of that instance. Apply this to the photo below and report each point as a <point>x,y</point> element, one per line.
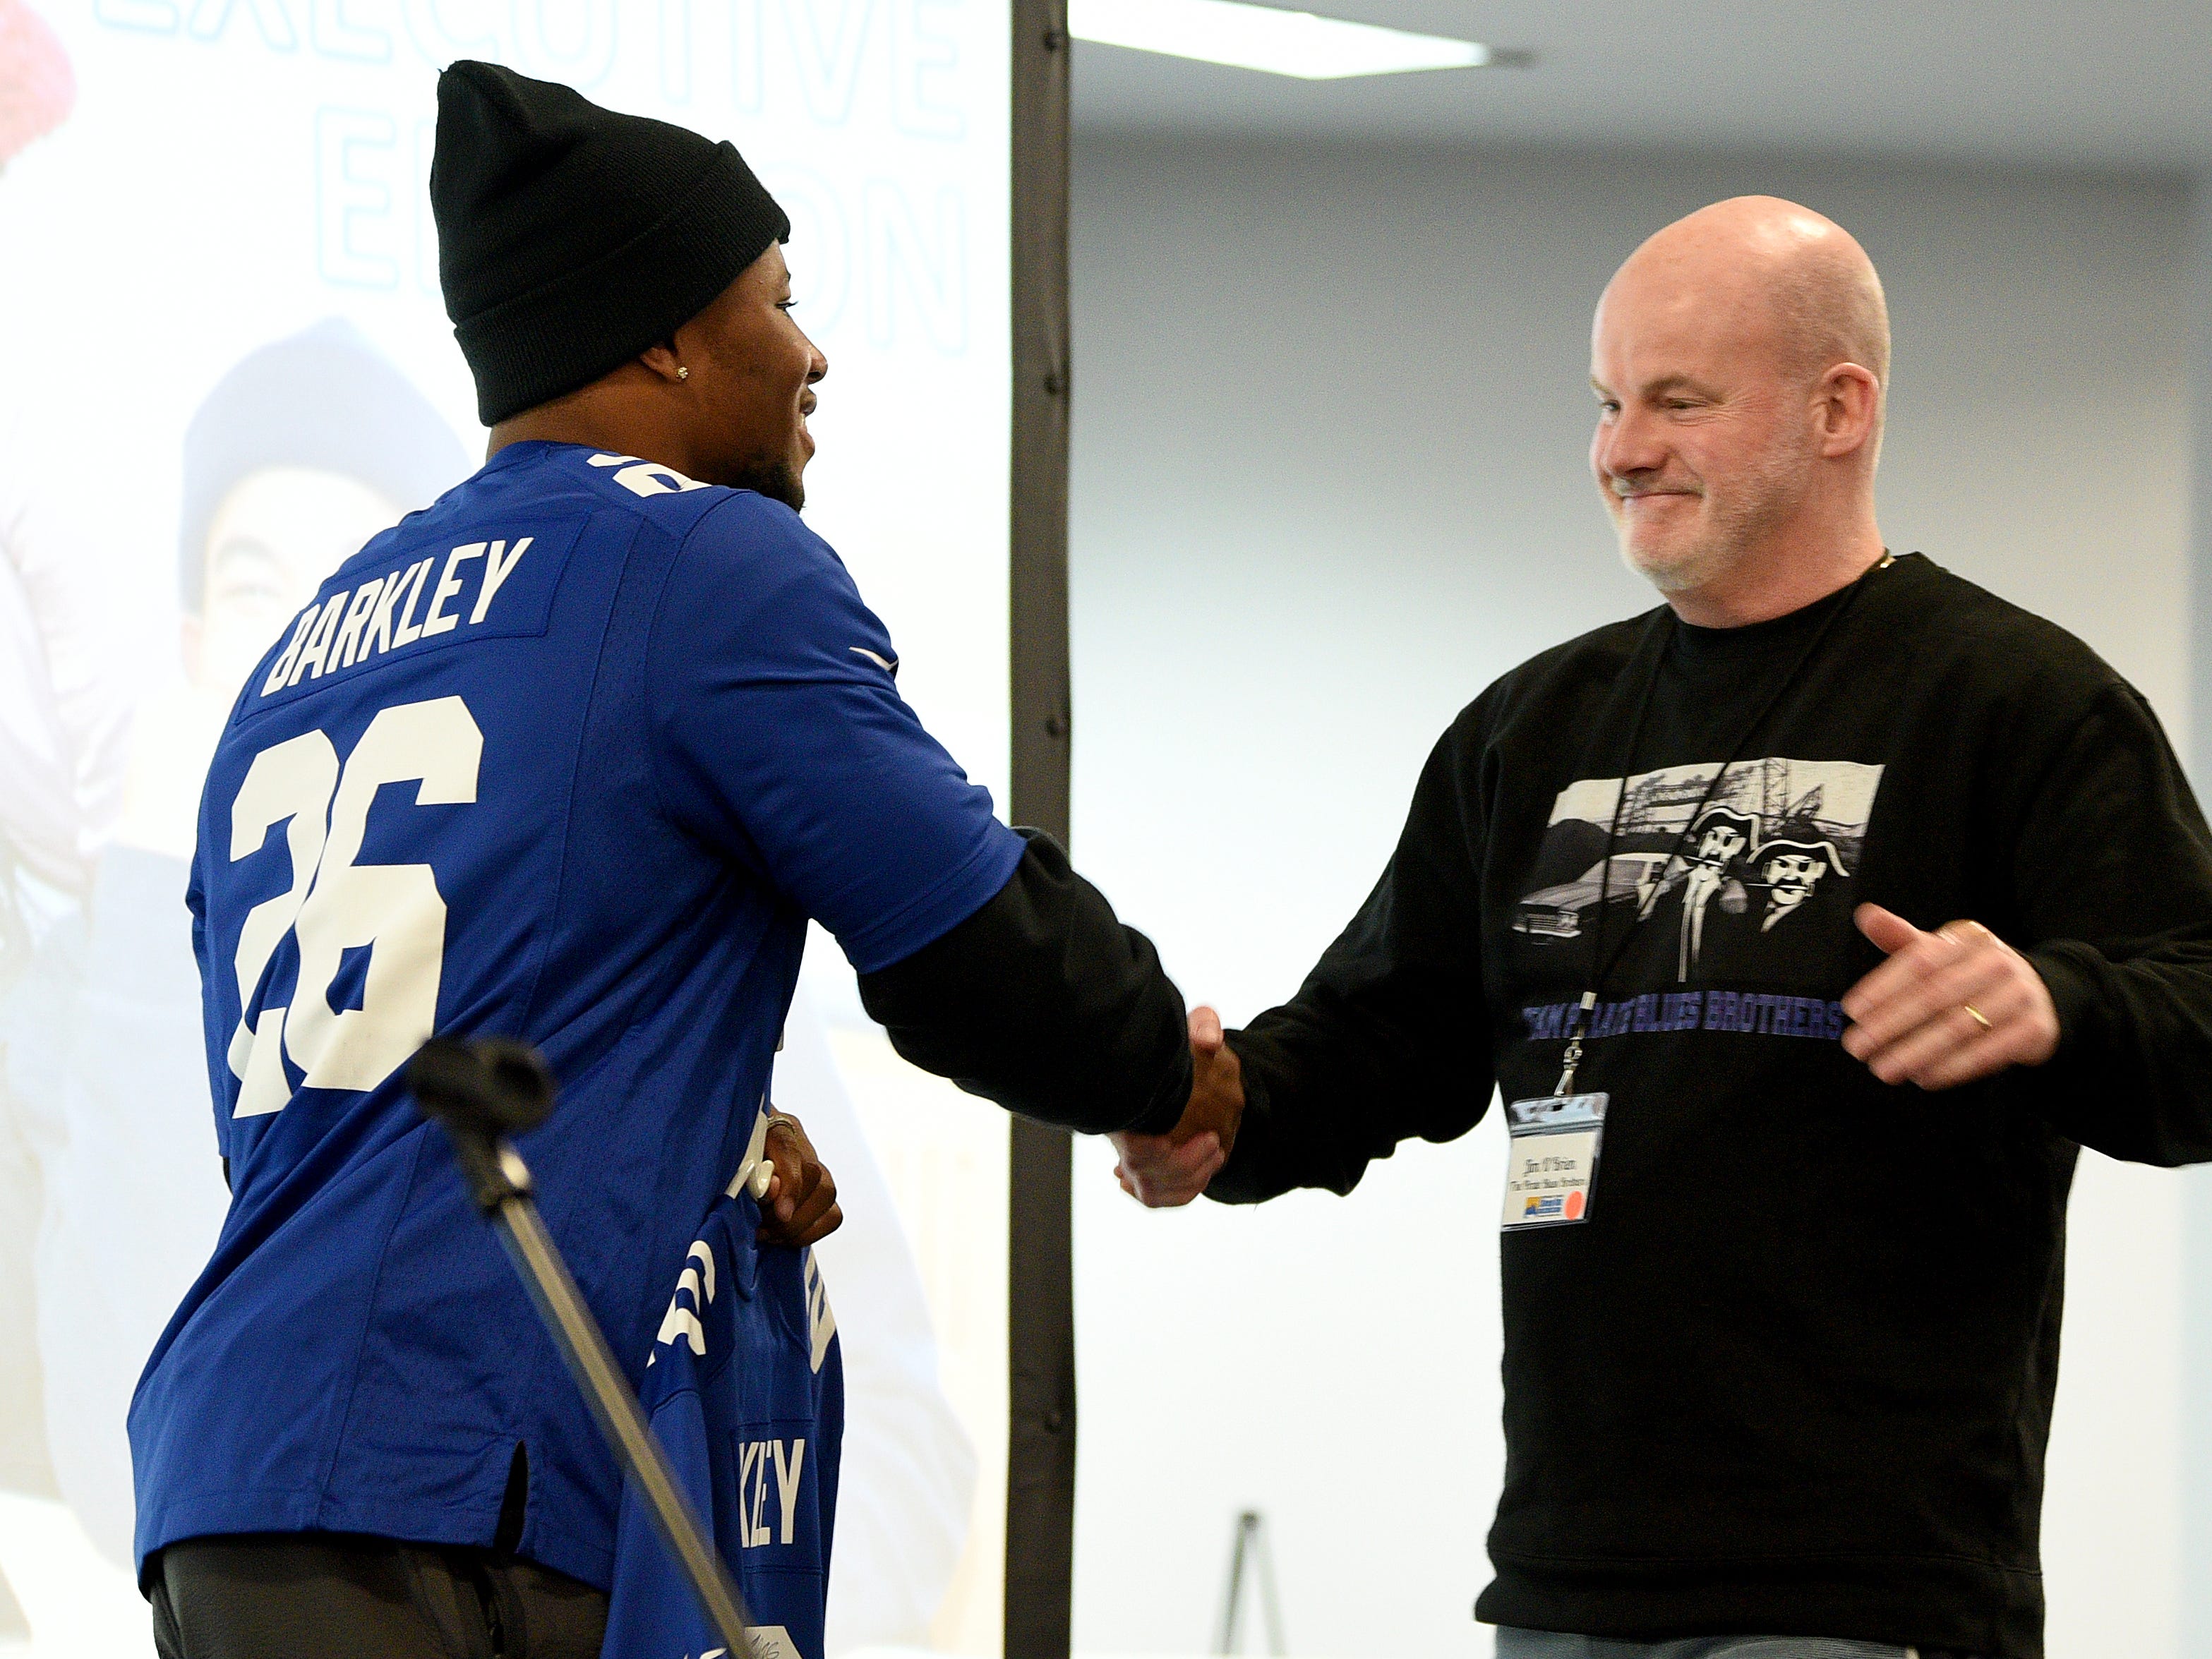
<point>1041,1297</point>
<point>480,1092</point>
<point>1250,1544</point>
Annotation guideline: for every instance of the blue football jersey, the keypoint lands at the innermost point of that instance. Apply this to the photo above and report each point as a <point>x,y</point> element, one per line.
<point>569,757</point>
<point>745,1391</point>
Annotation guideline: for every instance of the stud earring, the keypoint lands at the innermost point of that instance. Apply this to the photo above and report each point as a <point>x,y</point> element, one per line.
<point>682,372</point>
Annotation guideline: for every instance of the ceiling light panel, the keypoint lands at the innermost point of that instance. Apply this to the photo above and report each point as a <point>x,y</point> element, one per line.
<point>1268,38</point>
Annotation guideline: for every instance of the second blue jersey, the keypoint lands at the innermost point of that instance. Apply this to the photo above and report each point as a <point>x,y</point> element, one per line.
<point>570,756</point>
<point>745,1391</point>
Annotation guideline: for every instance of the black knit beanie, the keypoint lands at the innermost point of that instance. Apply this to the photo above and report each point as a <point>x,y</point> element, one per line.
<point>571,238</point>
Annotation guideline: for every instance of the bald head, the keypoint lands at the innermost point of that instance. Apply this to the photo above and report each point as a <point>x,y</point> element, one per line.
<point>1775,275</point>
<point>1739,358</point>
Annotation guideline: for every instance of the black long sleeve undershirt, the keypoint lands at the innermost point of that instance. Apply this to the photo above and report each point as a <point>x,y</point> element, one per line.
<point>1044,1002</point>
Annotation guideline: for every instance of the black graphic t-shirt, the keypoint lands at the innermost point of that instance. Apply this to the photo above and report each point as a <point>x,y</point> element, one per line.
<point>1793,1372</point>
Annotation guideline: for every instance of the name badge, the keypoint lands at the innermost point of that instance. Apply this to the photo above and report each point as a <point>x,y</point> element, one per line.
<point>1551,1162</point>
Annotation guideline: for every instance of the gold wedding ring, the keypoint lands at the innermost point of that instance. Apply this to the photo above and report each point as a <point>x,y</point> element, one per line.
<point>1975,1015</point>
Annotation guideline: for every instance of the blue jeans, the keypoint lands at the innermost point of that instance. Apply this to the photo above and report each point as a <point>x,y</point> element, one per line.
<point>1552,1644</point>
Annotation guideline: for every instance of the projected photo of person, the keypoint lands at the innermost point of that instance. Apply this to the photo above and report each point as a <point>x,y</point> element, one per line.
<point>299,454</point>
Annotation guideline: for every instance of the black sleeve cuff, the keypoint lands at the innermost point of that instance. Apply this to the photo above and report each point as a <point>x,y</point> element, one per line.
<point>1045,1003</point>
<point>1242,1179</point>
<point>2074,995</point>
<point>1167,1108</point>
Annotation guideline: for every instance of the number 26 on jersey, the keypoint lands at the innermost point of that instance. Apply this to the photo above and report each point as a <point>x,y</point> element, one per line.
<point>337,904</point>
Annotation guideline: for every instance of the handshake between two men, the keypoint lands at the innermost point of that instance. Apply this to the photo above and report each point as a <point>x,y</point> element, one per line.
<point>1160,1171</point>
<point>1947,1008</point>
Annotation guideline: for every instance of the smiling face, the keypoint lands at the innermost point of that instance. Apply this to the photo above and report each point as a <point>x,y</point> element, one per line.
<point>1737,358</point>
<point>751,385</point>
<point>1792,876</point>
<point>1703,444</point>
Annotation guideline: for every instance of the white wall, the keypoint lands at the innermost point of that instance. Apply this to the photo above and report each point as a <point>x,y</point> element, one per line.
<point>1330,425</point>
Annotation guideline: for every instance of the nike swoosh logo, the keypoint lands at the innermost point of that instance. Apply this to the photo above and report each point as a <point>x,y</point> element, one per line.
<point>889,664</point>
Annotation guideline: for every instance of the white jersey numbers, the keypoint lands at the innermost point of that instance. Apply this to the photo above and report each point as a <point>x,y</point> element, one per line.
<point>336,908</point>
<point>291,780</point>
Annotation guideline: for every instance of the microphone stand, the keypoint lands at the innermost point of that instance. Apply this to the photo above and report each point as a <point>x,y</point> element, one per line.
<point>484,1092</point>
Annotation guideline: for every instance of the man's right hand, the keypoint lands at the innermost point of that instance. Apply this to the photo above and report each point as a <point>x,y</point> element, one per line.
<point>1160,1171</point>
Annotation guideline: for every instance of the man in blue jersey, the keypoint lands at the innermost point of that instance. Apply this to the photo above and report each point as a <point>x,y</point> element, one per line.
<point>571,755</point>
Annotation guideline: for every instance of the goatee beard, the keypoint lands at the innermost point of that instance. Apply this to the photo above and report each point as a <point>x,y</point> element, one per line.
<point>778,483</point>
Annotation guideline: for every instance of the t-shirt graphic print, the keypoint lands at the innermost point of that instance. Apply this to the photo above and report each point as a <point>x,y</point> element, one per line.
<point>1739,874</point>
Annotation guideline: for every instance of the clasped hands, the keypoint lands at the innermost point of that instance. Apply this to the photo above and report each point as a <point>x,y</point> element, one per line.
<point>1160,1171</point>
<point>1947,1007</point>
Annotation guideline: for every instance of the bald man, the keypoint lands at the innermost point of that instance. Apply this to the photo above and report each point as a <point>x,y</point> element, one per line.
<point>1718,899</point>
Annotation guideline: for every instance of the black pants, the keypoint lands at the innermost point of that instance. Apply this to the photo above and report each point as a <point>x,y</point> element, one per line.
<point>336,1595</point>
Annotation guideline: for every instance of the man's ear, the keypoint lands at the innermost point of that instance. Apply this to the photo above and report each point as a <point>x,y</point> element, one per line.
<point>1850,402</point>
<point>664,361</point>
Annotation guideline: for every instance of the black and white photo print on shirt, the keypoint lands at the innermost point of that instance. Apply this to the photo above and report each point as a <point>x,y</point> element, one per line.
<point>1723,876</point>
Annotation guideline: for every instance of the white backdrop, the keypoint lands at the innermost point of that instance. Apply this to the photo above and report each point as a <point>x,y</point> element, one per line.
<point>185,183</point>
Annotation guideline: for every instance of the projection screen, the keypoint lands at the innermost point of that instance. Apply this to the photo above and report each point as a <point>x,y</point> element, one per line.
<point>213,229</point>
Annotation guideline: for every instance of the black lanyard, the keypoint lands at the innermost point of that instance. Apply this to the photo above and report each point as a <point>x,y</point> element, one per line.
<point>1603,963</point>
